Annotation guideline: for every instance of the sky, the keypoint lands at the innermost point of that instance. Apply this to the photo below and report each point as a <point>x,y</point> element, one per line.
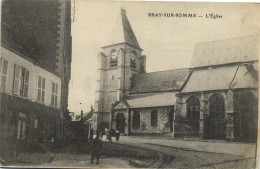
<point>167,42</point>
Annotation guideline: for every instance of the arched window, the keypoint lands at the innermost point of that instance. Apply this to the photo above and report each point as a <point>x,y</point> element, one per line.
<point>133,56</point>
<point>113,59</point>
<point>170,116</point>
<point>193,113</point>
<point>154,118</point>
<point>136,120</point>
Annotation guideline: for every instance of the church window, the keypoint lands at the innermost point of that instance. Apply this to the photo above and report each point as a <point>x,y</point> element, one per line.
<point>133,63</point>
<point>113,59</point>
<point>193,112</point>
<point>154,118</point>
<point>136,120</point>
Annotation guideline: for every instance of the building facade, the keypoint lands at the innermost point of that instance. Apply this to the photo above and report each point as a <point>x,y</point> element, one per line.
<point>41,31</point>
<point>216,98</point>
<point>220,99</point>
<point>30,107</point>
<point>36,52</point>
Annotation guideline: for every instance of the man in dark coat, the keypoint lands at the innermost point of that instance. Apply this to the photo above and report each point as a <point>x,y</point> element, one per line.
<point>96,150</point>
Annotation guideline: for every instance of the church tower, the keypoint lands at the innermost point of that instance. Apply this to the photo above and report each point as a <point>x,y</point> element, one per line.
<point>117,62</point>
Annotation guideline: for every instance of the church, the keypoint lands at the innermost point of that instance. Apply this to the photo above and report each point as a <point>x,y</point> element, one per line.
<point>216,98</point>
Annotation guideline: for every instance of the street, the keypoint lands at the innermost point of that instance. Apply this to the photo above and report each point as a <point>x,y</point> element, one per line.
<point>120,155</point>
<point>186,159</point>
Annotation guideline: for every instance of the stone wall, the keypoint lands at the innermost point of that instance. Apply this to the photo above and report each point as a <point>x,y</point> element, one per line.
<point>245,115</point>
<point>230,108</point>
<point>163,125</point>
<point>180,125</point>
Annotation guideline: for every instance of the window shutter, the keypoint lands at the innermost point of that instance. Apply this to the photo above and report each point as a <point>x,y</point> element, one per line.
<point>1,62</point>
<point>26,83</point>
<point>39,88</point>
<point>39,82</point>
<point>56,91</point>
<point>43,83</point>
<point>3,73</point>
<point>16,79</point>
<point>5,65</point>
<point>43,89</point>
<point>52,93</point>
<point>53,87</point>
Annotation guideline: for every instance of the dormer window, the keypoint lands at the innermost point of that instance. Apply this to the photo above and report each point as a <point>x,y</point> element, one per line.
<point>133,63</point>
<point>113,59</point>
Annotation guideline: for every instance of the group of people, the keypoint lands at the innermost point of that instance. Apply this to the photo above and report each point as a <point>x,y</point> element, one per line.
<point>100,133</point>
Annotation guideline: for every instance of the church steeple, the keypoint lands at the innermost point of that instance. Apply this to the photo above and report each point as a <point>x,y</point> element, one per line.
<point>117,63</point>
<point>123,32</point>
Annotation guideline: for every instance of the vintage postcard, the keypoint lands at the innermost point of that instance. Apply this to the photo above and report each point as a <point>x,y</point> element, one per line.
<point>128,84</point>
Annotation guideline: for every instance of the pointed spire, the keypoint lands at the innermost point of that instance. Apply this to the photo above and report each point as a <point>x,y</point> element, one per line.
<point>123,31</point>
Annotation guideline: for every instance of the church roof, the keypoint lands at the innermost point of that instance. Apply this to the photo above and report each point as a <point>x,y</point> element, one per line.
<point>123,31</point>
<point>206,79</point>
<point>241,49</point>
<point>171,80</point>
<point>246,77</point>
<point>147,100</point>
<point>223,77</point>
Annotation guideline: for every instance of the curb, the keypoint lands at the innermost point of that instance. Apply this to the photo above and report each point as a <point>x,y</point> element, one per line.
<point>158,164</point>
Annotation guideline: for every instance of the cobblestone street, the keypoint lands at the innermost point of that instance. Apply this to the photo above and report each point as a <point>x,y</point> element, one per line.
<point>120,155</point>
<point>82,160</point>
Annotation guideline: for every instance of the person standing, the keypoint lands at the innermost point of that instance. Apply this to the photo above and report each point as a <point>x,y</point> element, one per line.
<point>96,149</point>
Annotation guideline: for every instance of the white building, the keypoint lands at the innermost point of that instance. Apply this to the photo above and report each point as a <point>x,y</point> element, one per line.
<point>30,101</point>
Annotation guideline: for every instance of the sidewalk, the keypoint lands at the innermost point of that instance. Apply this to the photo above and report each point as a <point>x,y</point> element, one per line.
<point>29,157</point>
<point>233,148</point>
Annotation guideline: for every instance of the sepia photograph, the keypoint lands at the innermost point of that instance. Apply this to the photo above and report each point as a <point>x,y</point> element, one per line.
<point>129,84</point>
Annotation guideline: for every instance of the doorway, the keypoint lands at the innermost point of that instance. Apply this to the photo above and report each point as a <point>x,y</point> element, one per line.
<point>120,122</point>
<point>215,123</point>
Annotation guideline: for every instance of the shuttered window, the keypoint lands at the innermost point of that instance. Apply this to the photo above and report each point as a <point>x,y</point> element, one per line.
<point>54,94</point>
<point>21,81</point>
<point>41,89</point>
<point>3,73</point>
